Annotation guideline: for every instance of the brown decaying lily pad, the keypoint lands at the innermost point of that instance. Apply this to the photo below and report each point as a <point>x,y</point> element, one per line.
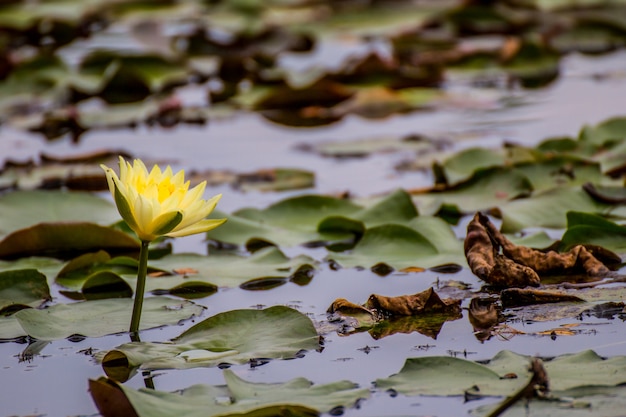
<point>424,312</point>
<point>425,302</point>
<point>499,262</point>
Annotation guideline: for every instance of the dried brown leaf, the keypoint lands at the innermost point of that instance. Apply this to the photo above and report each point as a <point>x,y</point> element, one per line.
<point>425,302</point>
<point>499,262</point>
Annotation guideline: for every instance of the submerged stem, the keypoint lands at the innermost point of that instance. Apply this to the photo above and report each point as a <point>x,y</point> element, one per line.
<point>141,286</point>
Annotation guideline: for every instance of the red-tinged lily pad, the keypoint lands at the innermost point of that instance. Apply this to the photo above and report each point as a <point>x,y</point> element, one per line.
<point>62,239</point>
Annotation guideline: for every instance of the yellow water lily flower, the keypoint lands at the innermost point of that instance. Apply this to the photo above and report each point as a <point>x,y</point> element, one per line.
<point>160,203</point>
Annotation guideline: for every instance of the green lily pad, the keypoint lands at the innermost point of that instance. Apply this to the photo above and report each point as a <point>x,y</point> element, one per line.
<point>484,190</point>
<point>449,376</point>
<point>22,209</point>
<point>22,288</point>
<point>192,290</point>
<point>131,77</point>
<point>232,337</point>
<point>585,369</point>
<point>186,274</point>
<point>548,209</point>
<point>106,284</point>
<point>278,179</point>
<point>59,239</point>
<point>76,273</point>
<point>612,159</point>
<point>534,64</point>
<point>462,165</point>
<point>35,77</point>
<point>538,240</point>
<point>424,243</point>
<point>289,222</point>
<point>364,147</point>
<point>589,228</point>
<point>588,38</point>
<point>373,20</point>
<point>312,219</point>
<point>606,402</point>
<point>86,318</point>
<point>10,328</point>
<point>561,171</point>
<point>446,376</point>
<point>606,132</point>
<point>244,398</point>
<point>47,266</point>
<point>227,269</point>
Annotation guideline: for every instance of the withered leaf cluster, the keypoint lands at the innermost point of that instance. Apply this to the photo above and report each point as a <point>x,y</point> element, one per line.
<point>501,263</point>
<point>424,312</point>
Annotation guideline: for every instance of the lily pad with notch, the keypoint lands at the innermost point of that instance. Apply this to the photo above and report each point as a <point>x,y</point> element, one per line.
<point>296,397</point>
<point>232,337</point>
<point>85,318</point>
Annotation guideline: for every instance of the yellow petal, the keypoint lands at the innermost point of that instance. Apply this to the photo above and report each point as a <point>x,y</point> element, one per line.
<point>165,223</point>
<point>198,227</point>
<point>144,216</point>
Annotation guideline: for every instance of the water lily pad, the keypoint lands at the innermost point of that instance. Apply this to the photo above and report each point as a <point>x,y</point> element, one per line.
<point>462,165</point>
<point>441,375</point>
<point>22,288</point>
<point>10,329</point>
<point>232,337</point>
<point>47,266</point>
<point>278,179</point>
<point>227,269</point>
<point>128,77</point>
<point>86,318</point>
<point>364,147</point>
<point>185,274</point>
<point>106,284</point>
<point>22,209</point>
<point>245,398</point>
<point>558,171</point>
<point>607,402</point>
<point>589,228</point>
<point>485,189</point>
<point>548,209</point>
<point>424,243</point>
<point>452,376</point>
<point>312,219</point>
<point>609,131</point>
<point>60,239</point>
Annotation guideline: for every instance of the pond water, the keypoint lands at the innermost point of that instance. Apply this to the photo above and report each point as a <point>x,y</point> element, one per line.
<point>54,381</point>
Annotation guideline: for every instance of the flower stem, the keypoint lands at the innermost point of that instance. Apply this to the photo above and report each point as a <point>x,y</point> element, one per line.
<point>141,286</point>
